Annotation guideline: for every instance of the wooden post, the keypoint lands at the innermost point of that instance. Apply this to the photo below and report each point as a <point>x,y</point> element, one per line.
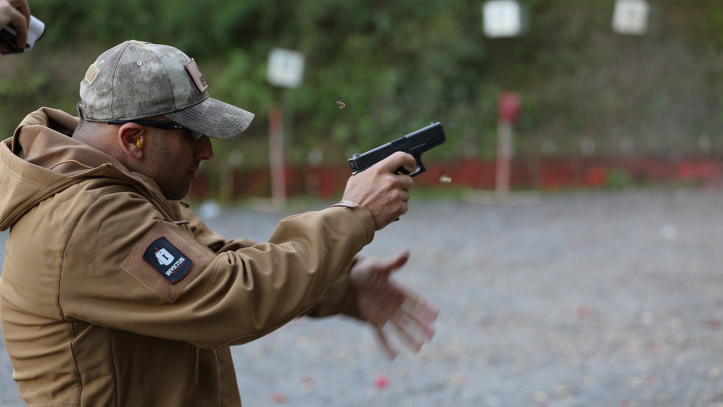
<point>276,156</point>
<point>508,111</point>
<point>504,156</point>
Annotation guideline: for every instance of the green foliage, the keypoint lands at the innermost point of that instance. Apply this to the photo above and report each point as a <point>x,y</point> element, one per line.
<point>400,64</point>
<point>619,179</point>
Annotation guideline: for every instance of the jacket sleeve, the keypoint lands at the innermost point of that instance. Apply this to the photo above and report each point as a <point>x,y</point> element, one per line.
<point>340,298</point>
<point>232,297</point>
<point>209,238</point>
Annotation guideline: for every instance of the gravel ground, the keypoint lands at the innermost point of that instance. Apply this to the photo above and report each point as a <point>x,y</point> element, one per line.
<point>590,299</point>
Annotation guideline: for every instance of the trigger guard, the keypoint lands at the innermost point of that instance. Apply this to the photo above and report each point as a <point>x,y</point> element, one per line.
<point>420,167</point>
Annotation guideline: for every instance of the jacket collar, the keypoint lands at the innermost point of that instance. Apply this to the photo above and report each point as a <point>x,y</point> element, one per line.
<point>41,160</point>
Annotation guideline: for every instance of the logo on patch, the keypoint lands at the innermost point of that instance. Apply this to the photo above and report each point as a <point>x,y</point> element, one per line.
<point>167,260</point>
<point>164,257</point>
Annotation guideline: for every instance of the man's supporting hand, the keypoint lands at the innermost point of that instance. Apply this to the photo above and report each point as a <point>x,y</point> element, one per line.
<point>16,12</point>
<point>382,192</point>
<point>382,300</point>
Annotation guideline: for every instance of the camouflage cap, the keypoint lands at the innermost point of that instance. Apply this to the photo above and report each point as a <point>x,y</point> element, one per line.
<point>136,80</point>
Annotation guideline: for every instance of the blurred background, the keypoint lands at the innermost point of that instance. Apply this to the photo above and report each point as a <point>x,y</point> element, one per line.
<point>597,283</point>
<point>599,108</point>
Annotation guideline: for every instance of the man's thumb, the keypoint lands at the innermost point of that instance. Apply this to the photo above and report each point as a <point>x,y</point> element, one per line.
<point>399,260</point>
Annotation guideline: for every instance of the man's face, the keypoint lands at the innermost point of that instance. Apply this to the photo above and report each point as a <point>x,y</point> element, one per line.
<point>173,158</point>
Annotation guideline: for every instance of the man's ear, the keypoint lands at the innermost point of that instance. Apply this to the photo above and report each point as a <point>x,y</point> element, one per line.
<point>132,138</point>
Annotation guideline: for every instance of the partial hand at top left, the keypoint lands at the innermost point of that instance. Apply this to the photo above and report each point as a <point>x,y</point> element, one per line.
<point>16,12</point>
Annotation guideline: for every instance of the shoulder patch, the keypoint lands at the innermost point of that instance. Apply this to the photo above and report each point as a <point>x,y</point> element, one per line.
<point>167,260</point>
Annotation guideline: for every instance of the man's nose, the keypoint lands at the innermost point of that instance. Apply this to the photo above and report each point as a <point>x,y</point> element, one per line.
<point>203,149</point>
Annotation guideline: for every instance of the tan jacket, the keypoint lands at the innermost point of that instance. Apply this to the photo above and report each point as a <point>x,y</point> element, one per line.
<point>89,318</point>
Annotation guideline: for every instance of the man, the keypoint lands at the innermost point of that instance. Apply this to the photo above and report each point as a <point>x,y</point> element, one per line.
<point>114,293</point>
<point>16,12</point>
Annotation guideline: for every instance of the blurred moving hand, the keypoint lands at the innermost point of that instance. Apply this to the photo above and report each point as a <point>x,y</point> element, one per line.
<point>382,192</point>
<point>383,300</point>
<point>16,12</point>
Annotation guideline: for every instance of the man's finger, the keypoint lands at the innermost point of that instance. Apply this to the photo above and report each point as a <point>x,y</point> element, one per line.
<point>404,207</point>
<point>427,313</point>
<point>23,7</point>
<point>420,323</point>
<point>425,328</point>
<point>391,352</point>
<point>21,27</point>
<point>404,196</point>
<point>420,308</point>
<point>400,260</point>
<point>406,182</point>
<point>403,328</point>
<point>398,159</point>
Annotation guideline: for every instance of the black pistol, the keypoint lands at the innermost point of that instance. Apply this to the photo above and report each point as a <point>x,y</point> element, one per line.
<point>415,144</point>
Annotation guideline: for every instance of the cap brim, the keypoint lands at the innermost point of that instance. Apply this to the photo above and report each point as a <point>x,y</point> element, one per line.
<point>213,118</point>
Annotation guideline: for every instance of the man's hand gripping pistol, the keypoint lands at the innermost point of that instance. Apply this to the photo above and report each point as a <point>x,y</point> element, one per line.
<point>415,144</point>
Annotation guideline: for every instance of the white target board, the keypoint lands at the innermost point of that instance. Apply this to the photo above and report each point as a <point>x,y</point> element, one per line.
<point>286,68</point>
<point>502,18</point>
<point>631,17</point>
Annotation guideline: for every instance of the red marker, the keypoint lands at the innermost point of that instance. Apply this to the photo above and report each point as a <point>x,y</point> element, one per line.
<point>381,382</point>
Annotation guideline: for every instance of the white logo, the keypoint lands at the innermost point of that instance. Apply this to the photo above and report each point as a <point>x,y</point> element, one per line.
<point>164,257</point>
<point>180,262</point>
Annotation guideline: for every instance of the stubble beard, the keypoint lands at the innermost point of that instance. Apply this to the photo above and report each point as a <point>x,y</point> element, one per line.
<point>173,181</point>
